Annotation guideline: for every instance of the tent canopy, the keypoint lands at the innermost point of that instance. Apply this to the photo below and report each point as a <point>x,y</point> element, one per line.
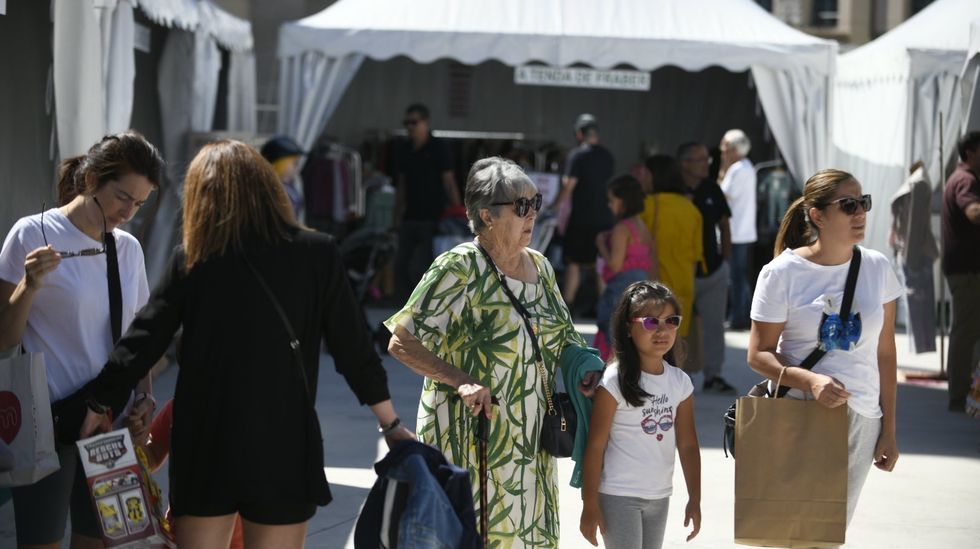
<point>935,39</point>
<point>321,53</point>
<point>692,34</point>
<point>889,95</point>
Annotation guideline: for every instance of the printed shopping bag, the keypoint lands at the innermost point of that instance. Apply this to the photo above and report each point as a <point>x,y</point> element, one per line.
<point>25,419</point>
<point>127,500</point>
<point>791,473</point>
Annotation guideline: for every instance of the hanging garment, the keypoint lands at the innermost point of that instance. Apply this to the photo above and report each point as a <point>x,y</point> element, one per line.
<point>916,251</point>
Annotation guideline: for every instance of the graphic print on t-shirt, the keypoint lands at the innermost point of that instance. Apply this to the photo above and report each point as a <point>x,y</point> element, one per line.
<point>834,333</point>
<point>657,414</point>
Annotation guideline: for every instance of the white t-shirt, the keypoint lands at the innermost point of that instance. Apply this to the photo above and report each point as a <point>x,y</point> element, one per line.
<point>739,186</point>
<point>69,318</point>
<point>797,291</point>
<point>639,459</point>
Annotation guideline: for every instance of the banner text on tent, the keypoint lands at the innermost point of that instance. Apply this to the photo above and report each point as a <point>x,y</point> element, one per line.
<point>531,75</point>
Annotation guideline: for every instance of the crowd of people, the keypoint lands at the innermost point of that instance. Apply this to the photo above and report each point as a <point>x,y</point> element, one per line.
<point>487,325</point>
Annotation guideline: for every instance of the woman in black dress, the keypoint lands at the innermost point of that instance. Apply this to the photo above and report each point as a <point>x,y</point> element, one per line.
<point>245,438</point>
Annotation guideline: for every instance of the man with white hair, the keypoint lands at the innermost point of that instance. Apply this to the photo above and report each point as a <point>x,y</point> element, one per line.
<point>738,182</point>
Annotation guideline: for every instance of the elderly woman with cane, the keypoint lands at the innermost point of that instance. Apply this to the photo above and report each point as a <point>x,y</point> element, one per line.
<point>463,332</point>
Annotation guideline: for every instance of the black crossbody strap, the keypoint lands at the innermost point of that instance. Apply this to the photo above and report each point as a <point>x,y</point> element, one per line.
<point>293,340</point>
<point>525,314</point>
<point>115,287</point>
<point>845,312</point>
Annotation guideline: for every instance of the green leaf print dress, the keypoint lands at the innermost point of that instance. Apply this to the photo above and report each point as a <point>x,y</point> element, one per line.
<point>460,313</point>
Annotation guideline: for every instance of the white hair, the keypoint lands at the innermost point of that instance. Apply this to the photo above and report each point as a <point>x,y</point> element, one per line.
<point>491,181</point>
<point>739,141</point>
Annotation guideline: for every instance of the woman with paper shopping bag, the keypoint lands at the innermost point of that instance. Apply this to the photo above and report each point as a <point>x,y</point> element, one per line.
<point>70,283</point>
<point>798,306</point>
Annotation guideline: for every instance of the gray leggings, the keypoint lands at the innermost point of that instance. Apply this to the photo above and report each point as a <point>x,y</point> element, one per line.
<point>633,523</point>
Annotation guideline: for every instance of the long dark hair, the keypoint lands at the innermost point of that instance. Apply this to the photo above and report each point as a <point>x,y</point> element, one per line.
<point>628,189</point>
<point>635,298</point>
<point>108,160</point>
<point>797,230</point>
<point>666,173</point>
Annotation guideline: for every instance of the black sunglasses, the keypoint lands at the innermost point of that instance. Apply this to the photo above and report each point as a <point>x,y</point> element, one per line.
<point>849,205</point>
<point>523,204</point>
<point>82,253</point>
<point>409,122</point>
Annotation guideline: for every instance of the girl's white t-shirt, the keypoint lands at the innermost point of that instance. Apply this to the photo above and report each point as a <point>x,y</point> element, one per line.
<point>639,459</point>
<point>797,291</point>
<point>69,318</point>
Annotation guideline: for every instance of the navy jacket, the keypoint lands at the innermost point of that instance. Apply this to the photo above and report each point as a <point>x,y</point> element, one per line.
<point>428,502</point>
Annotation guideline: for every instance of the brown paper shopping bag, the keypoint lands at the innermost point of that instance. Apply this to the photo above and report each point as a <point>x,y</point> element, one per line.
<point>791,473</point>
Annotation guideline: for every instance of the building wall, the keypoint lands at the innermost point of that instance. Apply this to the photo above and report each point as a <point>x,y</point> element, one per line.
<point>858,21</point>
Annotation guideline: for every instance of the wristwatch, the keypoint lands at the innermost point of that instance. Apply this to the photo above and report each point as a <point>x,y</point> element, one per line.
<point>385,429</point>
<point>141,396</point>
<point>96,407</point>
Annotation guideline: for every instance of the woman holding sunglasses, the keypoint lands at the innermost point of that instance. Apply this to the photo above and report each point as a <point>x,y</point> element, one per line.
<point>255,293</point>
<point>797,298</point>
<point>461,331</point>
<point>59,271</point>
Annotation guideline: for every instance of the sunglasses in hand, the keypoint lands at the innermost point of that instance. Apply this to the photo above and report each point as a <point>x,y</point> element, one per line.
<point>651,323</point>
<point>523,205</point>
<point>849,205</point>
<point>81,253</point>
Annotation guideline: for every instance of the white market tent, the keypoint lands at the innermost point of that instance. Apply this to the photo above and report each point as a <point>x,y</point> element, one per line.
<point>96,50</point>
<point>792,71</point>
<point>94,71</point>
<point>888,96</point>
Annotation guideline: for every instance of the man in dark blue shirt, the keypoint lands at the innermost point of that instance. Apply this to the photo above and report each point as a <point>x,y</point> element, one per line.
<point>425,186</point>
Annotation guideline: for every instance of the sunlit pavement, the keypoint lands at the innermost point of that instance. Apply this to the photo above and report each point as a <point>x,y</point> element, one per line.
<point>930,501</point>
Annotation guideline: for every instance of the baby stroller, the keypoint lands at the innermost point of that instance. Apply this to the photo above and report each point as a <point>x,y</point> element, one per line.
<point>365,252</point>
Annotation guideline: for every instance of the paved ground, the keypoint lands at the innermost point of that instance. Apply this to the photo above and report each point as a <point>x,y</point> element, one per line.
<point>930,501</point>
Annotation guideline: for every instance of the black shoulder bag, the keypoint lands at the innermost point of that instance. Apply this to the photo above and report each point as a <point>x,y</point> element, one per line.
<point>761,389</point>
<point>559,423</point>
<point>317,483</point>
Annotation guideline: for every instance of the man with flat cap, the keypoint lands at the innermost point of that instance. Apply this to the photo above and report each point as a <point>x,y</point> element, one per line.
<point>587,170</point>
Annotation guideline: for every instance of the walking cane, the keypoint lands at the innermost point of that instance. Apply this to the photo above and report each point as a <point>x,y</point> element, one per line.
<point>482,436</point>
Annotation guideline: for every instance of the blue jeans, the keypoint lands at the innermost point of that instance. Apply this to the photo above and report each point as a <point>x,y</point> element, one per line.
<point>741,296</point>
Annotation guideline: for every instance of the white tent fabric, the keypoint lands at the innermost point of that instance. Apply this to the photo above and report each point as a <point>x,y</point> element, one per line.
<point>241,93</point>
<point>118,39</point>
<point>969,91</point>
<point>187,84</point>
<point>77,77</point>
<point>320,53</point>
<point>888,97</point>
<point>94,68</point>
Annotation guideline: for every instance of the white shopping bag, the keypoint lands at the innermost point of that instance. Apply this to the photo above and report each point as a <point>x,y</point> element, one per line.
<point>25,418</point>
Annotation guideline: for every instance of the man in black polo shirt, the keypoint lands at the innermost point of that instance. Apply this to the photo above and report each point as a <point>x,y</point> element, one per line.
<point>711,283</point>
<point>425,186</point>
<point>587,170</point>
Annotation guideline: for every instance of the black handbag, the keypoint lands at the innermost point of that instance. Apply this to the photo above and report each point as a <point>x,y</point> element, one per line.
<point>559,422</point>
<point>761,389</point>
<point>317,485</point>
